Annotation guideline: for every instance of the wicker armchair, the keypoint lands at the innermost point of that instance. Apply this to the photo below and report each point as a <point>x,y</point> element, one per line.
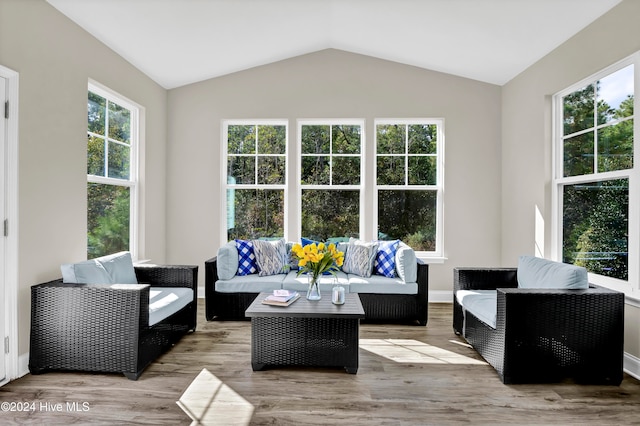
<point>544,335</point>
<point>104,327</point>
<point>404,308</point>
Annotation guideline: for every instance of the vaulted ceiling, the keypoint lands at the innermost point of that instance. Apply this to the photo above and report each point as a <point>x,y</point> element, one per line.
<point>178,42</point>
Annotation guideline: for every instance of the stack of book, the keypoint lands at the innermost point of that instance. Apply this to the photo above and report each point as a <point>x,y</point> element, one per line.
<point>281,298</point>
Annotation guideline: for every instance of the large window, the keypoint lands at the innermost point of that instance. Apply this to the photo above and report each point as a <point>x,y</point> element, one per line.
<point>330,180</point>
<point>594,172</point>
<point>409,182</point>
<point>256,177</point>
<point>112,136</point>
<point>331,186</point>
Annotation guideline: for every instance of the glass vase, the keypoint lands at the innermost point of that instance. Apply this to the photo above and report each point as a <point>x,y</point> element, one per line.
<point>313,293</point>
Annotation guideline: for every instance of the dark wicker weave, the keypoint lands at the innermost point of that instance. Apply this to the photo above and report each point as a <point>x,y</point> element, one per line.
<point>95,327</point>
<point>545,335</point>
<point>402,308</point>
<point>313,334</point>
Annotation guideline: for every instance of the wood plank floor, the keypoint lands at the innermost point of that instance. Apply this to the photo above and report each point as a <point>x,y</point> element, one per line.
<point>409,375</point>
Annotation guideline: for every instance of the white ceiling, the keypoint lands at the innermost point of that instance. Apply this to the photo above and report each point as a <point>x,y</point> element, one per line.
<point>177,42</point>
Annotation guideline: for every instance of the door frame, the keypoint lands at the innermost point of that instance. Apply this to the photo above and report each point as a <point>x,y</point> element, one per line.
<point>10,277</point>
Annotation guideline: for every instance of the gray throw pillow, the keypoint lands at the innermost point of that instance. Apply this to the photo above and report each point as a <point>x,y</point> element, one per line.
<point>271,256</point>
<point>359,258</point>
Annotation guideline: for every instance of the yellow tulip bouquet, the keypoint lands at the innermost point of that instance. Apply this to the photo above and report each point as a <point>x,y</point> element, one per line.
<point>316,259</point>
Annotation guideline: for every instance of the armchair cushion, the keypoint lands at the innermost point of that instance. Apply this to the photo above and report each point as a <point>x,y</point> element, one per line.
<point>535,272</point>
<point>166,301</point>
<point>115,268</point>
<point>481,303</point>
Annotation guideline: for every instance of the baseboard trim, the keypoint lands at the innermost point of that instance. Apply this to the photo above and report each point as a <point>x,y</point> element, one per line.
<point>631,365</point>
<point>440,296</point>
<point>23,365</point>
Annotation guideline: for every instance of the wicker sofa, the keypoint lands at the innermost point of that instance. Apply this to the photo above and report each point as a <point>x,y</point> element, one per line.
<point>383,301</point>
<point>542,334</point>
<point>106,327</point>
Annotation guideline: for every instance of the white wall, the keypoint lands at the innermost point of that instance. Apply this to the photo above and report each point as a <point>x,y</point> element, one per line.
<point>55,58</point>
<point>336,84</point>
<point>526,132</point>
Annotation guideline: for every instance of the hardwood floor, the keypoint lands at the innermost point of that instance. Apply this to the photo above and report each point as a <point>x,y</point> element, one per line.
<point>408,375</point>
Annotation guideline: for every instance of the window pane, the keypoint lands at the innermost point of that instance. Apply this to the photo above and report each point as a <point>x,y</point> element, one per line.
<point>315,140</point>
<point>330,214</point>
<point>271,169</point>
<point>242,169</point>
<point>96,113</point>
<point>615,95</point>
<point>118,160</point>
<point>95,156</point>
<point>409,216</point>
<point>272,139</point>
<point>119,123</point>
<point>578,109</point>
<point>422,170</point>
<point>255,213</point>
<point>108,216</point>
<point>615,146</point>
<point>595,227</point>
<point>346,171</point>
<point>346,139</point>
<point>423,139</point>
<point>315,170</point>
<point>390,170</point>
<point>390,139</point>
<point>578,155</point>
<point>241,140</point>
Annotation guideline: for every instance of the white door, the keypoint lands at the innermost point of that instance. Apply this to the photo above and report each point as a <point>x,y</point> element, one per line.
<point>3,215</point>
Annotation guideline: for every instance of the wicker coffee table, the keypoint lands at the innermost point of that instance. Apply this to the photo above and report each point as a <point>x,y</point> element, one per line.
<point>305,333</point>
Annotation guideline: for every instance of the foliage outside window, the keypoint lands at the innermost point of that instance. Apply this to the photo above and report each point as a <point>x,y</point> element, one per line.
<point>409,182</point>
<point>111,173</point>
<point>330,180</point>
<point>256,178</point>
<point>595,169</point>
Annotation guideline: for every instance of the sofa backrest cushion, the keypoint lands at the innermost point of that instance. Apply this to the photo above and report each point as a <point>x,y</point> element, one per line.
<point>406,263</point>
<point>535,272</point>
<point>227,261</point>
<point>115,268</point>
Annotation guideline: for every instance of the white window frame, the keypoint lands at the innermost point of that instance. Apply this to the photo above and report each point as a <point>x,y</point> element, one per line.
<point>133,183</point>
<point>631,286</point>
<point>361,155</point>
<point>438,254</point>
<point>224,172</point>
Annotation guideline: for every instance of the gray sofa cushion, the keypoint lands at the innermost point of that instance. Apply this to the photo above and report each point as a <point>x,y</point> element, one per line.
<point>301,283</point>
<point>406,263</point>
<point>250,284</point>
<point>380,285</point>
<point>535,272</point>
<point>227,264</point>
<point>114,268</point>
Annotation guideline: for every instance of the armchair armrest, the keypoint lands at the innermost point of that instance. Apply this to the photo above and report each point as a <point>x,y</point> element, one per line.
<point>168,275</point>
<point>549,329</point>
<point>484,278</point>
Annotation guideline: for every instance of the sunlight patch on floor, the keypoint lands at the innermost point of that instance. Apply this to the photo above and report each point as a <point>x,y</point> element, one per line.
<point>208,401</point>
<point>414,351</point>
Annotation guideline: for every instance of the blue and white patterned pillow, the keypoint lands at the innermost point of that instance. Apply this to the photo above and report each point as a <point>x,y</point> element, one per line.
<point>246,258</point>
<point>385,263</point>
